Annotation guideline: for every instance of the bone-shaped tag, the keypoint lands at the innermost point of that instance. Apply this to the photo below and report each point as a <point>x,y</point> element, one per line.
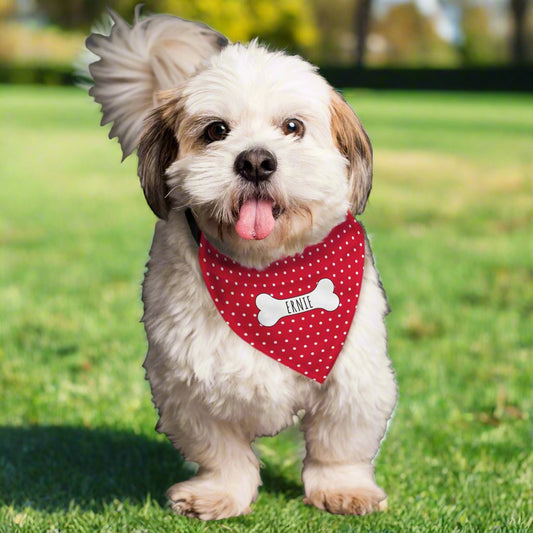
<point>271,310</point>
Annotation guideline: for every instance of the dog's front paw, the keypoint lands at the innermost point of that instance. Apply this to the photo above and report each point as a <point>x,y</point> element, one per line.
<point>343,488</point>
<point>358,501</point>
<point>206,500</point>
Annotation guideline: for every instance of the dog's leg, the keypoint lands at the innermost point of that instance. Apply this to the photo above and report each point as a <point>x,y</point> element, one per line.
<point>342,438</point>
<point>228,476</point>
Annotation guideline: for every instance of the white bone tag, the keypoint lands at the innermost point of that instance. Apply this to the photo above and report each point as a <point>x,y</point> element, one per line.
<point>271,310</point>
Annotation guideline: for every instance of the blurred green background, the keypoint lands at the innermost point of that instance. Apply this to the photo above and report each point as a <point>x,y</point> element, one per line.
<point>451,223</point>
<point>443,33</point>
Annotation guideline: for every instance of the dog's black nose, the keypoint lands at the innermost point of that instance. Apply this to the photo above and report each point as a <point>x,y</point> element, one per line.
<point>256,164</point>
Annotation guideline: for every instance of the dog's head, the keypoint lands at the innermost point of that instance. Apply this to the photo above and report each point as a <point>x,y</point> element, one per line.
<point>266,154</point>
<point>263,151</point>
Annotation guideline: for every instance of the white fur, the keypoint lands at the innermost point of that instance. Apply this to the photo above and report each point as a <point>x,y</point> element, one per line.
<point>214,392</point>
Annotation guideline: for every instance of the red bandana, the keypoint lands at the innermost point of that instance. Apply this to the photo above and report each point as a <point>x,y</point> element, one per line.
<point>299,309</point>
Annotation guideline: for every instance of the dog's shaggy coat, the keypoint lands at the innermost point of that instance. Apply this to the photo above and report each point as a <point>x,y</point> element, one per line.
<point>164,83</point>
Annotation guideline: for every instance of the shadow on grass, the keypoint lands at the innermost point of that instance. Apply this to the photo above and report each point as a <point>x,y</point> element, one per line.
<point>55,467</point>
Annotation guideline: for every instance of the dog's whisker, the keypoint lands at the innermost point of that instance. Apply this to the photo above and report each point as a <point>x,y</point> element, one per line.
<point>175,188</point>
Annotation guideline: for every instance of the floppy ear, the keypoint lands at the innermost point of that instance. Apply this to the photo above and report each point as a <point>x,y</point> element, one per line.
<point>158,149</point>
<point>353,143</point>
<point>157,53</point>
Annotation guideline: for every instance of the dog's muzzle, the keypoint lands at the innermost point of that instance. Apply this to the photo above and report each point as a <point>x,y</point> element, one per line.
<point>256,164</point>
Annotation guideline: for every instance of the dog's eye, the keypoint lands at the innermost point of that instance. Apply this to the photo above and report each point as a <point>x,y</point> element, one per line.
<point>216,131</point>
<point>293,126</point>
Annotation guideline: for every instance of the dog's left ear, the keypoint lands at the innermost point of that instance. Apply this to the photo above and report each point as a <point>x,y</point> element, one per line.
<point>353,143</point>
<point>157,150</point>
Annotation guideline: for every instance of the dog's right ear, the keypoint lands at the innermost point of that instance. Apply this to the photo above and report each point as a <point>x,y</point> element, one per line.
<point>158,149</point>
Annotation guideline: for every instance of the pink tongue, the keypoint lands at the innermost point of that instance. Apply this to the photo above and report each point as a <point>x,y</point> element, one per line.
<point>255,219</point>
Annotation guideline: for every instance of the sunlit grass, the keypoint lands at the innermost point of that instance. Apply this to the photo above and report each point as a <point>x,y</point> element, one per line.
<point>451,222</point>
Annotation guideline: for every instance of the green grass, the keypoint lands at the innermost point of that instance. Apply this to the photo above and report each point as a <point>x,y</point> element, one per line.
<point>451,221</point>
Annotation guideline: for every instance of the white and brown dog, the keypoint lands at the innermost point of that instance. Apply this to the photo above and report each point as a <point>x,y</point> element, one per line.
<point>254,150</point>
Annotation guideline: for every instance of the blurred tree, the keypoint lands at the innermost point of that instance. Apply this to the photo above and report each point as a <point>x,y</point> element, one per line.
<point>518,10</point>
<point>72,14</point>
<point>344,30</point>
<point>411,39</point>
<point>362,23</point>
<point>336,29</point>
<point>283,24</point>
<point>482,44</point>
<point>479,45</point>
<point>7,8</point>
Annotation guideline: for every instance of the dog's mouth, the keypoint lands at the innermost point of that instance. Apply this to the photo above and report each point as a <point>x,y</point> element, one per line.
<point>256,218</point>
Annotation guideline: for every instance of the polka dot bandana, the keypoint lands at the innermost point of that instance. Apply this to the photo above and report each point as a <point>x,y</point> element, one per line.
<point>298,310</point>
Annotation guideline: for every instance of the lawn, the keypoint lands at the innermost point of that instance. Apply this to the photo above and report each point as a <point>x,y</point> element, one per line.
<point>451,222</point>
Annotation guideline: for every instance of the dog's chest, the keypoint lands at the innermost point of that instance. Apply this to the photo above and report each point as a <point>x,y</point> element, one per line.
<point>192,349</point>
<point>190,343</point>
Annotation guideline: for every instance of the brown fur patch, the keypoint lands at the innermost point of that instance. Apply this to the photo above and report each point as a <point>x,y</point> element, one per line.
<point>353,143</point>
<point>157,150</point>
<point>359,501</point>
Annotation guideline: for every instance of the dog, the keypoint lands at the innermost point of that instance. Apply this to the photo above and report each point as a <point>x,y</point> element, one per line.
<point>252,163</point>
